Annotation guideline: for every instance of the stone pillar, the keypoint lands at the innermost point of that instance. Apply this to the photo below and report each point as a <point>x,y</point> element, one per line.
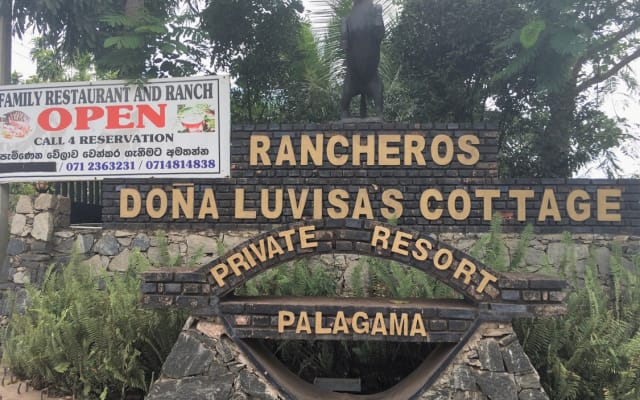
<point>492,365</point>
<point>31,234</point>
<point>205,363</point>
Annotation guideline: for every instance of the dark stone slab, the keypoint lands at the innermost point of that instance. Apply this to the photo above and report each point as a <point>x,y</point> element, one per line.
<point>158,276</point>
<point>463,379</point>
<point>498,386</point>
<point>193,388</point>
<point>545,282</point>
<point>172,288</point>
<point>188,357</point>
<point>195,277</point>
<point>16,246</point>
<point>490,356</point>
<point>251,385</point>
<point>515,359</point>
<point>510,295</point>
<point>149,288</point>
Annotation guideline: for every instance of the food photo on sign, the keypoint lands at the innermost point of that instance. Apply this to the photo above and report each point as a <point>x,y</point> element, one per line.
<point>197,118</point>
<point>14,125</point>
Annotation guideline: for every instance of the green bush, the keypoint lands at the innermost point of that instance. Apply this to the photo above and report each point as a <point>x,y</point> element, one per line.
<point>88,335</point>
<point>593,352</point>
<point>299,278</point>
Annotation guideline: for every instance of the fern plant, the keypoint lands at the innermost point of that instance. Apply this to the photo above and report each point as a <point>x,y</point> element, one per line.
<point>594,351</point>
<point>87,334</point>
<point>299,278</point>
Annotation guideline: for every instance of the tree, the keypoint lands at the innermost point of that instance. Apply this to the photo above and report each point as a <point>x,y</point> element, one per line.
<point>257,42</point>
<point>543,66</point>
<point>49,65</point>
<point>571,50</point>
<point>447,49</point>
<point>130,37</point>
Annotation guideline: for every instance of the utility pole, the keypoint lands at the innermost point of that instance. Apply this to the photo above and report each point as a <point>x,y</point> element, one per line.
<point>5,79</point>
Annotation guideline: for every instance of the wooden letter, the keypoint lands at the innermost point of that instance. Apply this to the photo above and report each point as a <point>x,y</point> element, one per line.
<point>162,208</point>
<point>437,259</point>
<point>604,205</point>
<point>401,246</point>
<point>381,234</point>
<point>466,204</point>
<point>487,196</point>
<point>467,144</point>
<point>466,268</point>
<point>360,329</point>
<point>208,205</point>
<point>521,196</point>
<point>307,234</point>
<point>584,208</point>
<point>285,319</point>
<point>241,213</point>
<point>549,206</point>
<point>179,203</point>
<point>219,272</point>
<point>391,198</point>
<point>363,205</point>
<point>259,147</point>
<point>286,152</point>
<point>448,150</point>
<point>134,195</point>
<point>486,278</point>
<point>413,149</point>
<point>425,200</point>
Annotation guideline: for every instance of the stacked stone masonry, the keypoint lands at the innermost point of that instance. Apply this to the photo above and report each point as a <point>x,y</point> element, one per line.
<point>41,235</point>
<point>491,366</point>
<point>205,363</point>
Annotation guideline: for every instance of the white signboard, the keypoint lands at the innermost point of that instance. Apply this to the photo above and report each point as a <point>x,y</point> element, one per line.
<point>175,128</point>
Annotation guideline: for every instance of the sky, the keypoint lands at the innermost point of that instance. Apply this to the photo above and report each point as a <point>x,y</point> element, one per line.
<point>619,103</point>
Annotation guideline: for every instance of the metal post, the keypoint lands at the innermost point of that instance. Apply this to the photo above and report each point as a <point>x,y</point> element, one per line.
<point>5,79</point>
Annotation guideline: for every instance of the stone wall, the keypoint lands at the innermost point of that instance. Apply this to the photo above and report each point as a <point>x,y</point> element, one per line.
<point>205,363</point>
<point>491,365</point>
<point>36,240</point>
<point>41,235</point>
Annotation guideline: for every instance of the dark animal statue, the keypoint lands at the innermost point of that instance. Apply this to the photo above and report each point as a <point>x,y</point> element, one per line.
<point>361,33</point>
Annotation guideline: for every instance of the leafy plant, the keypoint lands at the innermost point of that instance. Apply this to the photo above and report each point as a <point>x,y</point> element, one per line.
<point>87,334</point>
<point>295,279</point>
<point>593,351</point>
<point>167,260</point>
<point>390,279</point>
